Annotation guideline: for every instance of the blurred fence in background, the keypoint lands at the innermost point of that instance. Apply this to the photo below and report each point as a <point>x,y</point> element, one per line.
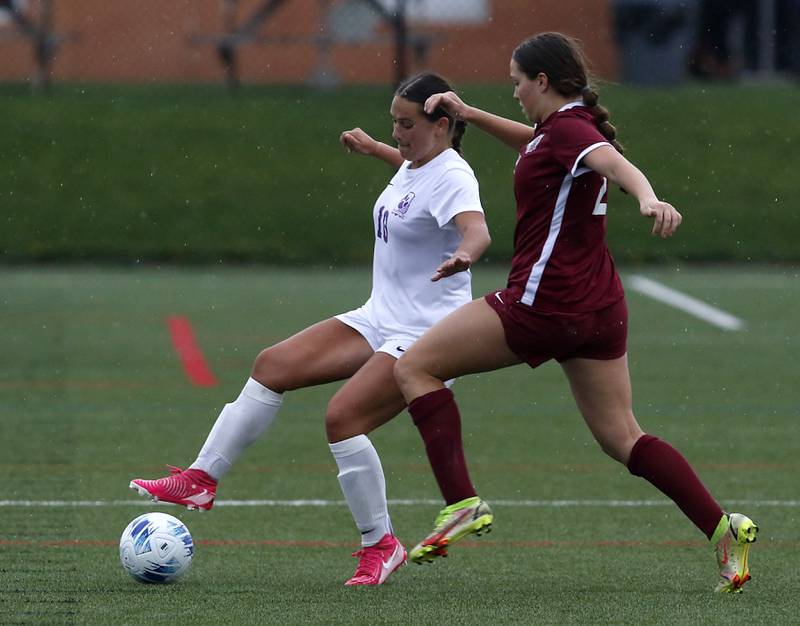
<point>326,42</point>
<point>285,41</point>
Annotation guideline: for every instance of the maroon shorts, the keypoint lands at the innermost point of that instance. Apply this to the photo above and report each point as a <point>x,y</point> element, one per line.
<point>537,337</point>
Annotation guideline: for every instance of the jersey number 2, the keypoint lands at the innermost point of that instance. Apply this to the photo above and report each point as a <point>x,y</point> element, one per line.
<point>383,222</point>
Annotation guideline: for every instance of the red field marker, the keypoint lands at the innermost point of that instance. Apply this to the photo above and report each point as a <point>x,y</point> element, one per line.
<point>192,359</point>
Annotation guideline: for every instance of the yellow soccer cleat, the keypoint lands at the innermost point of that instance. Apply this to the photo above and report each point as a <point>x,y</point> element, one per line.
<point>736,532</point>
<point>470,516</point>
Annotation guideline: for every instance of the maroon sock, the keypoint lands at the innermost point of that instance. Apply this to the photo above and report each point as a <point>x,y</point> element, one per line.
<point>662,465</point>
<point>436,416</point>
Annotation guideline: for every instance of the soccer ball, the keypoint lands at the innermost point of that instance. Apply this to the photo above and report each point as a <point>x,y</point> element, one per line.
<point>156,548</point>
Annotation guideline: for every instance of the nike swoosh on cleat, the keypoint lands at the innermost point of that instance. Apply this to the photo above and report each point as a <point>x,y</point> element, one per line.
<point>200,498</point>
<point>387,567</point>
<point>435,540</point>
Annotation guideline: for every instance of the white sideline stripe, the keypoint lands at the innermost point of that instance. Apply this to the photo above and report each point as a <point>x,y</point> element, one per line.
<point>681,301</point>
<point>420,502</point>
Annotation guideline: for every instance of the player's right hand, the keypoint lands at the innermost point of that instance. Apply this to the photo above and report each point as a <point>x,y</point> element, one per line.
<point>356,140</point>
<point>459,262</point>
<point>450,102</point>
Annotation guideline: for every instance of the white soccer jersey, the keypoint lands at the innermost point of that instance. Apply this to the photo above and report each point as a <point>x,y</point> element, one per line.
<point>414,233</point>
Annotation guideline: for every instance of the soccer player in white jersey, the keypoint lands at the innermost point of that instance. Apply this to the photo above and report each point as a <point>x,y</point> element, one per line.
<point>429,228</point>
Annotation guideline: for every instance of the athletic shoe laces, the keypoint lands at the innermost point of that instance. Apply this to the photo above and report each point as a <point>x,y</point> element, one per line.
<point>370,561</point>
<point>177,484</point>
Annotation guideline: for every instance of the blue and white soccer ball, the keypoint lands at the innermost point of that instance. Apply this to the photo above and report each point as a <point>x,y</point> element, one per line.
<point>156,548</point>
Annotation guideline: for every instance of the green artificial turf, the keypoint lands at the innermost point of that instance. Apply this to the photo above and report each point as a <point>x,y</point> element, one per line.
<point>92,395</point>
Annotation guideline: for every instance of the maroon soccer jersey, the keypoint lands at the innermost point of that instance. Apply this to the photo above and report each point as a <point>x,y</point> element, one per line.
<point>561,262</point>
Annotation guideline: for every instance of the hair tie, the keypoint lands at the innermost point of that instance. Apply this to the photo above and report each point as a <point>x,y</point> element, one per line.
<point>586,90</point>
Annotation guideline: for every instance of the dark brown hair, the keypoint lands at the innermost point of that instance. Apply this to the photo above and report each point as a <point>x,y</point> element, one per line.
<point>421,87</point>
<point>561,58</point>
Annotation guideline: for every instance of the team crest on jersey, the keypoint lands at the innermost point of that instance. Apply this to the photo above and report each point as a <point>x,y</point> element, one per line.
<point>404,204</point>
<point>532,145</point>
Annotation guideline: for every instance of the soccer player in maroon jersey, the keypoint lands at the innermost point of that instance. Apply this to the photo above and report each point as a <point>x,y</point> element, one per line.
<point>563,301</point>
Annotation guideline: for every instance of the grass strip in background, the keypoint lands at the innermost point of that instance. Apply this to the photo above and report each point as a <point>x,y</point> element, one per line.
<point>193,173</point>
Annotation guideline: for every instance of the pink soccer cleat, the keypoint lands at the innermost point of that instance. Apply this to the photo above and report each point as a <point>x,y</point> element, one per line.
<point>192,488</point>
<point>378,562</point>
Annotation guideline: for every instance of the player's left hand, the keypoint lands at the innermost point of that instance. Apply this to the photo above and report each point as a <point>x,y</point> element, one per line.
<point>459,262</point>
<point>667,218</point>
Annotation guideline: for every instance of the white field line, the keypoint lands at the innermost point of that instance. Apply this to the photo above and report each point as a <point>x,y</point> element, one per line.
<point>420,502</point>
<point>681,301</point>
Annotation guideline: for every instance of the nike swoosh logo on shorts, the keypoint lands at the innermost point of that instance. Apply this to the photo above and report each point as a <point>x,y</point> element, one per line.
<point>497,295</point>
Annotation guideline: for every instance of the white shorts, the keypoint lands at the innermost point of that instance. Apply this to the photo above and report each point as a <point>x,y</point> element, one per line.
<point>360,320</point>
<point>394,345</point>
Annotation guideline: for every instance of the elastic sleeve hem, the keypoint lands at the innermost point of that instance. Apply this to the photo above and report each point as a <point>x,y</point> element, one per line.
<point>576,165</point>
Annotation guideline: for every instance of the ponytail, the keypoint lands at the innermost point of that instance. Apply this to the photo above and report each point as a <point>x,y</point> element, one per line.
<point>458,133</point>
<point>601,116</point>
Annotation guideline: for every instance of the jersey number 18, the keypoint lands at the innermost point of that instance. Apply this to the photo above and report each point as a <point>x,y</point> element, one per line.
<point>383,220</point>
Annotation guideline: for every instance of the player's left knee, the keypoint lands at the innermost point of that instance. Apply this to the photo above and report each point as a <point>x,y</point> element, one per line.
<point>404,370</point>
<point>336,420</point>
<point>618,447</point>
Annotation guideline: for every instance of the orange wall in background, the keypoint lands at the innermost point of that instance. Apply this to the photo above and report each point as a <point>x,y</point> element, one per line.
<point>149,40</point>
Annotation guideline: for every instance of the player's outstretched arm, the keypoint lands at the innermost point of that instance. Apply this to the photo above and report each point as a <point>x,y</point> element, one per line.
<point>356,140</point>
<point>607,162</point>
<point>474,241</point>
<point>511,133</point>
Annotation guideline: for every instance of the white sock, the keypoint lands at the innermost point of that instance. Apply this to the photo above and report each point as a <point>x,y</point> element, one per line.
<point>239,424</point>
<point>363,486</point>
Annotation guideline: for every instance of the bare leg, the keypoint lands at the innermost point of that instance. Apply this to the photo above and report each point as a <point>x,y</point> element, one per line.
<point>602,390</point>
<point>471,339</point>
<point>369,399</point>
<point>327,351</point>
